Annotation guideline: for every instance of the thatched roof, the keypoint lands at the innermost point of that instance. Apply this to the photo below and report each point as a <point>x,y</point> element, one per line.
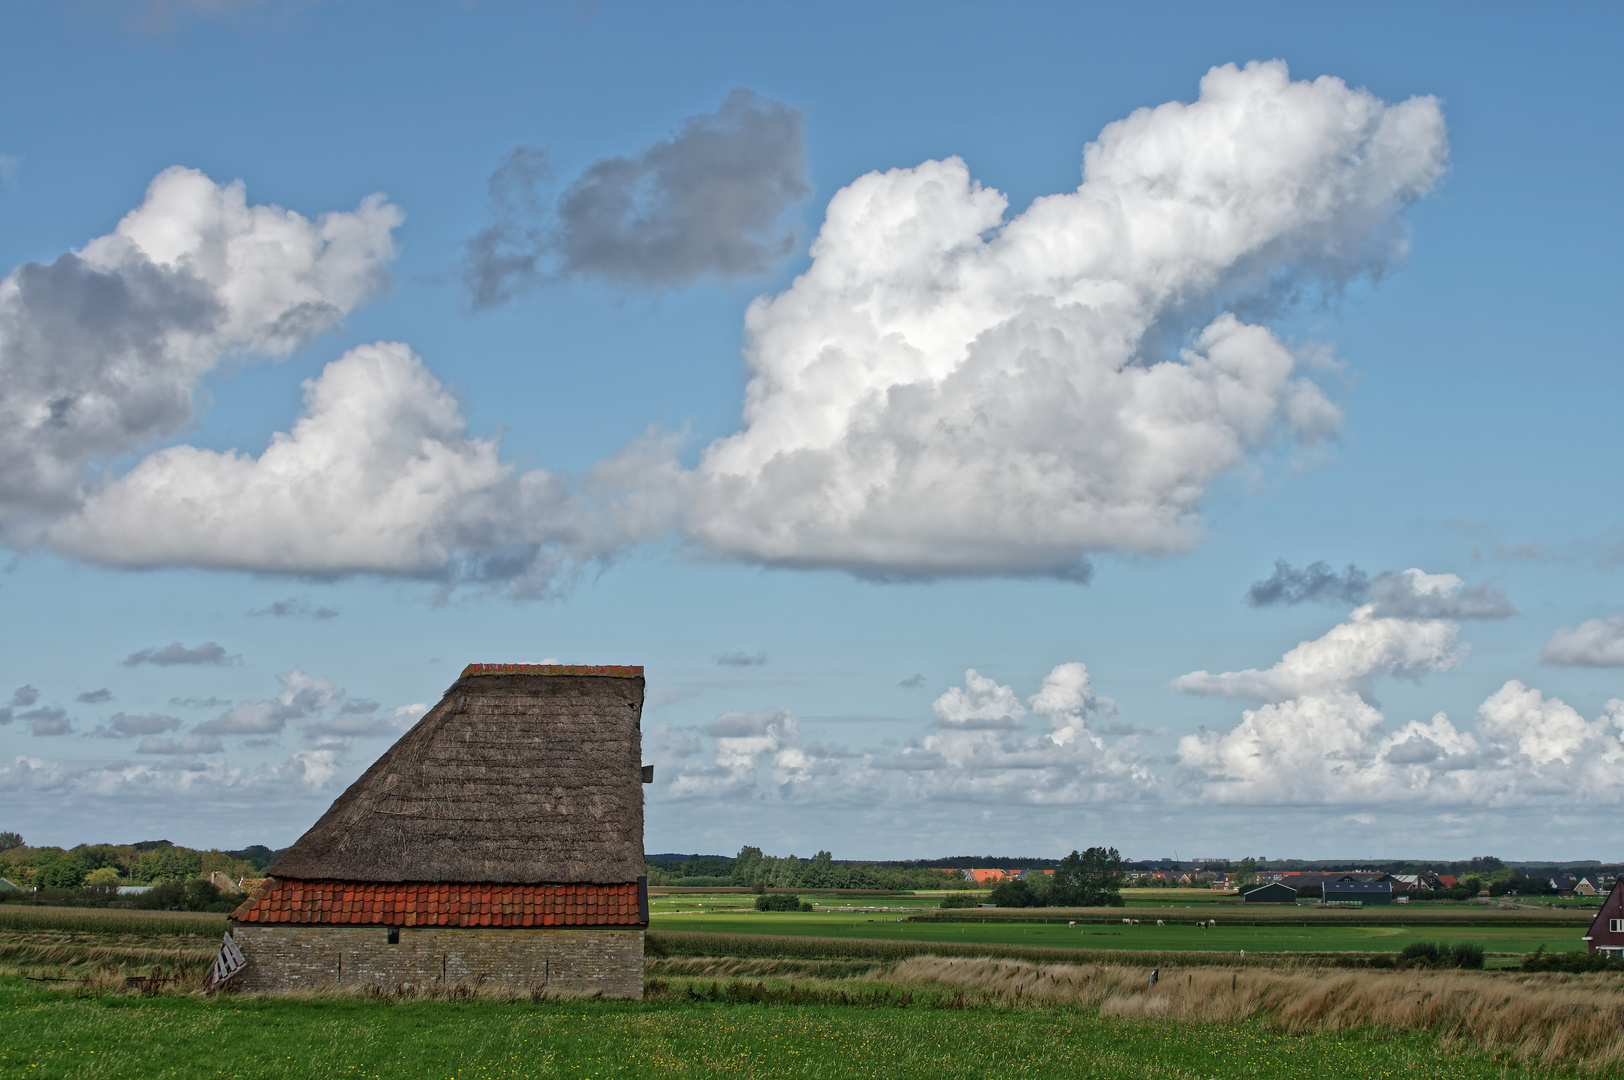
<point>522,774</point>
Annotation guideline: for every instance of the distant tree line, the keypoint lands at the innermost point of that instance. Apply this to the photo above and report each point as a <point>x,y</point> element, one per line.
<point>92,873</point>
<point>751,868</point>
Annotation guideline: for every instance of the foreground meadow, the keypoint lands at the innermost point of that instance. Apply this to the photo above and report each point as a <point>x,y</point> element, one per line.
<point>107,994</point>
<point>52,1034</point>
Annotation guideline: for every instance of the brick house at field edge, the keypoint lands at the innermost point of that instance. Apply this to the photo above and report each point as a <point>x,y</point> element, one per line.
<point>499,840</point>
<point>1606,934</point>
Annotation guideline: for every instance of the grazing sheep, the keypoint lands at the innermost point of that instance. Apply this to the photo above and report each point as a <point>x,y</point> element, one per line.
<point>1160,923</point>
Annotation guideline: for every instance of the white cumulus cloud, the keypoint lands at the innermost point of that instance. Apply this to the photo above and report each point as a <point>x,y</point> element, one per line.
<point>947,391</point>
<point>980,753</point>
<point>1343,660</point>
<point>1320,739</point>
<point>378,475</point>
<point>1595,643</point>
<point>102,349</point>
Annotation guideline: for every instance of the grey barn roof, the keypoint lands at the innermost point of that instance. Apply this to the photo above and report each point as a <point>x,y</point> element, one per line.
<point>522,774</point>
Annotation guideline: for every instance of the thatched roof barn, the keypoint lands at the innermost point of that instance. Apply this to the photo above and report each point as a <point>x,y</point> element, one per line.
<point>516,803</point>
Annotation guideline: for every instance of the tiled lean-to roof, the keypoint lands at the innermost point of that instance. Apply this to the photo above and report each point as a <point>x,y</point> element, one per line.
<point>442,905</point>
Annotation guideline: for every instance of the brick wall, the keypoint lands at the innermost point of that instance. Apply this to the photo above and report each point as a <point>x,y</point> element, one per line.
<point>559,959</point>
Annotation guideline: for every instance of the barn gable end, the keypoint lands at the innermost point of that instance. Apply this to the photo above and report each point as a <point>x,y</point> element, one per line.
<point>499,840</point>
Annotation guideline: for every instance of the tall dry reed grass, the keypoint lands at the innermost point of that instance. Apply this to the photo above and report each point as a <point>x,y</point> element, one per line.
<point>1553,1020</point>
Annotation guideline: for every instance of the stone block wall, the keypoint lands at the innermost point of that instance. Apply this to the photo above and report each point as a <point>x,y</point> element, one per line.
<point>563,960</point>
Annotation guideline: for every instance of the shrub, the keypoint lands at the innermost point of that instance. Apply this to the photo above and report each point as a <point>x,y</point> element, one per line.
<point>959,900</point>
<point>1540,960</point>
<point>198,895</point>
<point>1421,953</point>
<point>780,902</point>
<point>1468,954</point>
<point>1015,893</point>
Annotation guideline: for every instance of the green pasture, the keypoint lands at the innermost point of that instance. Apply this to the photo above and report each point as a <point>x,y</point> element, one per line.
<point>55,1035</point>
<point>1495,937</point>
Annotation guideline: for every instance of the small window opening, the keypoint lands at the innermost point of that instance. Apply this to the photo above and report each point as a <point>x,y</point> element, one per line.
<point>394,935</point>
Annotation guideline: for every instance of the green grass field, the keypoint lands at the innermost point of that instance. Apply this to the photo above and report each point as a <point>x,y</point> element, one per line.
<point>1504,936</point>
<point>53,1035</point>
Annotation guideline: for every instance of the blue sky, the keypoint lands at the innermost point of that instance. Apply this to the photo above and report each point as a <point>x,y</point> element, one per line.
<point>1366,321</point>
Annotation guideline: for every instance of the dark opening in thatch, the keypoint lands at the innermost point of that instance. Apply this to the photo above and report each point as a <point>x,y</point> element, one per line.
<point>522,775</point>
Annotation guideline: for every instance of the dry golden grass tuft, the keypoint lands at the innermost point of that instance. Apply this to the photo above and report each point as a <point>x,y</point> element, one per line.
<point>1564,1020</point>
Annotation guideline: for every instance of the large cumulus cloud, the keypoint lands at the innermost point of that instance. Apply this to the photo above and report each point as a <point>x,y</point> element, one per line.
<point>379,475</point>
<point>947,391</point>
<point>102,349</point>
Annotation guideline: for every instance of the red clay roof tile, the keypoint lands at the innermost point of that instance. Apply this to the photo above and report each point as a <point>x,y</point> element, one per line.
<point>441,905</point>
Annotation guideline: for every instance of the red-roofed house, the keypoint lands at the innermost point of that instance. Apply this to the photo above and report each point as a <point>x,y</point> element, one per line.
<point>1607,932</point>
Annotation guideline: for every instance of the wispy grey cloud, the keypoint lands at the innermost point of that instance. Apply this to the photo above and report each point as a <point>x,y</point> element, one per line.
<point>126,726</point>
<point>47,721</point>
<point>1410,594</point>
<point>741,659</point>
<point>176,653</point>
<point>707,201</point>
<point>1316,583</point>
<point>296,607</point>
<point>210,702</point>
<point>190,743</point>
<point>95,697</point>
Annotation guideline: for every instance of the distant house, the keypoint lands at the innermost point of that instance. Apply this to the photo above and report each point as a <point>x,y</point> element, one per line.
<point>222,881</point>
<point>1448,881</point>
<point>1367,892</point>
<point>985,877</point>
<point>1272,893</point>
<point>1563,884</point>
<point>1586,887</point>
<point>1607,932</point>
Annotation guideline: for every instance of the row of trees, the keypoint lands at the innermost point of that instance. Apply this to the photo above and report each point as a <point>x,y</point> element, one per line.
<point>1091,878</point>
<point>151,862</point>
